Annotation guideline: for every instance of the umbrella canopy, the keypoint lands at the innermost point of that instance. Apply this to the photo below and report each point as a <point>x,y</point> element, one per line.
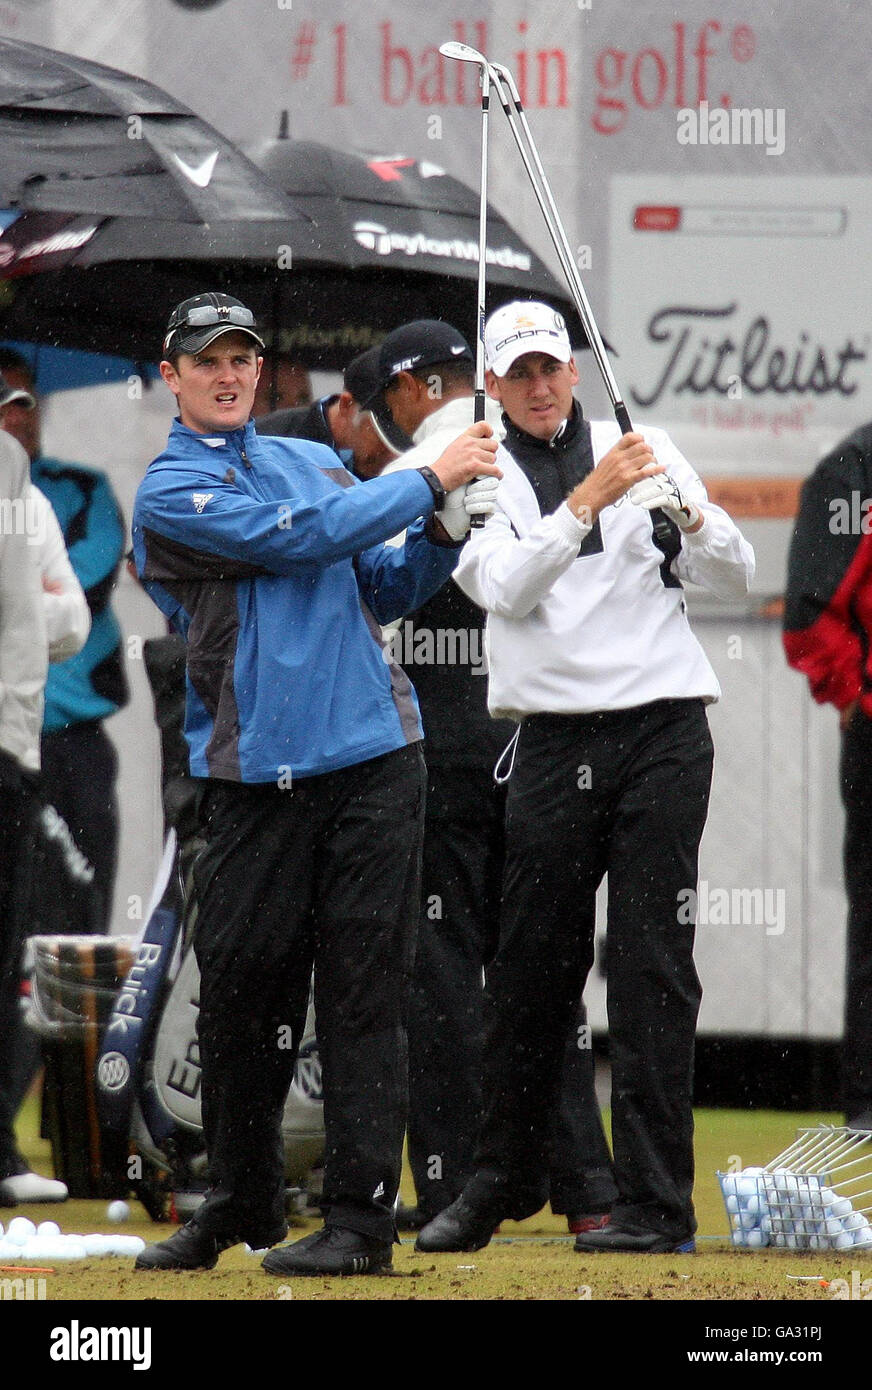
<point>78,137</point>
<point>383,240</point>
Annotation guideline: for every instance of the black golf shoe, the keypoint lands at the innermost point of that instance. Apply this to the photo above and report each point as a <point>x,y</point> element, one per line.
<point>462,1226</point>
<point>634,1240</point>
<point>193,1248</point>
<point>332,1250</point>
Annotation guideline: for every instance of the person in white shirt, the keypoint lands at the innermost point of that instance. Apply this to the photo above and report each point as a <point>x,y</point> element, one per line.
<point>43,615</point>
<point>589,648</point>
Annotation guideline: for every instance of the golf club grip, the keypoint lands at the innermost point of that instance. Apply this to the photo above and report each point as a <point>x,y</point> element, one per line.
<point>476,522</point>
<point>660,522</point>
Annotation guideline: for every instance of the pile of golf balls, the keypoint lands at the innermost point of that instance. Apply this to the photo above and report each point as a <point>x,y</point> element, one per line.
<point>45,1243</point>
<point>795,1211</point>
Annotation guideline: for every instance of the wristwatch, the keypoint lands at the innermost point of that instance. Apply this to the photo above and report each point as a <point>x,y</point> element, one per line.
<point>432,481</point>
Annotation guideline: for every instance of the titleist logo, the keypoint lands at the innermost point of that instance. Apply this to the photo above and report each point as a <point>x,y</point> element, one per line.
<point>701,359</point>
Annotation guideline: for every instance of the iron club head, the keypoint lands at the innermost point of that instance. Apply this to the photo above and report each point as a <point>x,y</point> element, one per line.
<point>462,52</point>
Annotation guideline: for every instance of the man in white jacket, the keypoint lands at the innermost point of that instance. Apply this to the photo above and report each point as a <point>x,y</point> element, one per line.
<point>425,383</point>
<point>589,648</point>
<point>41,607</point>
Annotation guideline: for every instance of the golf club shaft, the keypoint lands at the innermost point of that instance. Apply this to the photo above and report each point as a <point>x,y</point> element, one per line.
<point>482,247</point>
<point>662,527</point>
<point>511,103</point>
<point>477,522</point>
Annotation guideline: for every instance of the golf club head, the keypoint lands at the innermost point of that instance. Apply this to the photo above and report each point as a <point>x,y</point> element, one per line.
<point>462,52</point>
<point>501,73</point>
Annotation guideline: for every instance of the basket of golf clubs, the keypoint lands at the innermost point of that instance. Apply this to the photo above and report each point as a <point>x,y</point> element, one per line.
<point>815,1195</point>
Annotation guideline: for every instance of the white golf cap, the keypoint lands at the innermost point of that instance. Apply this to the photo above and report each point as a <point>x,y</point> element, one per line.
<point>524,326</point>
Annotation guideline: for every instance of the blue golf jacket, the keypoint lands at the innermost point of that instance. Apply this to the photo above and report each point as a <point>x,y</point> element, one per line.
<point>269,557</point>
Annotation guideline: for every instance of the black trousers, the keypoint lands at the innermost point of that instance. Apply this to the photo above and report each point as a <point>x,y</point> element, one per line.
<point>464,852</point>
<point>18,808</point>
<point>325,873</point>
<point>624,793</point>
<point>79,772</point>
<point>856,784</point>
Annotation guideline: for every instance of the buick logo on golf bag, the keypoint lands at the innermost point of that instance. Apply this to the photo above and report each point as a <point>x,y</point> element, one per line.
<point>113,1071</point>
<point>307,1073</point>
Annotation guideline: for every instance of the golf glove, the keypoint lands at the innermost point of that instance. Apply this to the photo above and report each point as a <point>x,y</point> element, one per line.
<point>466,501</point>
<point>663,493</point>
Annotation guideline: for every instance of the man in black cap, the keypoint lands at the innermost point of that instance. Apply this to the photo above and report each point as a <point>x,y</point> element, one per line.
<point>340,420</point>
<point>425,399</point>
<point>270,558</point>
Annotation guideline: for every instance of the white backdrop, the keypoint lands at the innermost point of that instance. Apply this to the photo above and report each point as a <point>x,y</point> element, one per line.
<point>604,82</point>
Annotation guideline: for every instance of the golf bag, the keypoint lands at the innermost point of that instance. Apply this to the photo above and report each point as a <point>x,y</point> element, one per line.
<point>127,1034</point>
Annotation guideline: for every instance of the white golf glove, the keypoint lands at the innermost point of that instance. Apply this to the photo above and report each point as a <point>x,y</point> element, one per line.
<point>465,502</point>
<point>663,493</point>
<point>480,496</point>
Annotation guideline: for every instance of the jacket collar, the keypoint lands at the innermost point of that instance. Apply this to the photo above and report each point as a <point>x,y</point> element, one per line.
<point>246,436</point>
<point>457,414</point>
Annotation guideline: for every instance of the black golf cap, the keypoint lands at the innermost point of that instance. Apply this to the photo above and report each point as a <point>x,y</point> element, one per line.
<point>361,377</point>
<point>8,394</point>
<point>198,321</point>
<point>418,344</point>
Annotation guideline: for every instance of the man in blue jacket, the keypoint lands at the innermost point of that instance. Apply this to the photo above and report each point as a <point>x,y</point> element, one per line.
<point>269,557</point>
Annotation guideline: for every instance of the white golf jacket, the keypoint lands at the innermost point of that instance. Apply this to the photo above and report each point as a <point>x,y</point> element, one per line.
<point>573,635</point>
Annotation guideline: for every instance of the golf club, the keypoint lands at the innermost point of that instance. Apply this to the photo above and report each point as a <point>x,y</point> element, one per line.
<point>465,54</point>
<point>510,98</point>
<point>664,529</point>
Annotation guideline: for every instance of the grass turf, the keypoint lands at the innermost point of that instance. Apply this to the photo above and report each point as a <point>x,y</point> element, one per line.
<point>530,1260</point>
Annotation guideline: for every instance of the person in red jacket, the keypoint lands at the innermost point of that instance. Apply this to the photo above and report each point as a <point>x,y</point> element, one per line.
<point>828,637</point>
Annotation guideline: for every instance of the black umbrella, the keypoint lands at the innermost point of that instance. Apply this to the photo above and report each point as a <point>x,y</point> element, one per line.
<point>384,240</point>
<point>78,137</point>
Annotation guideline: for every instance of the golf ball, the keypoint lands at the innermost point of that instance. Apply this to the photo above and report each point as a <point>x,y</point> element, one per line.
<point>48,1228</point>
<point>844,1240</point>
<point>842,1207</point>
<point>20,1230</point>
<point>118,1211</point>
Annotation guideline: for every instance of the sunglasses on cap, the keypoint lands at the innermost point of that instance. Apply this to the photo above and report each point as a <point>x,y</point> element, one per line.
<point>204,315</point>
<point>191,330</point>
